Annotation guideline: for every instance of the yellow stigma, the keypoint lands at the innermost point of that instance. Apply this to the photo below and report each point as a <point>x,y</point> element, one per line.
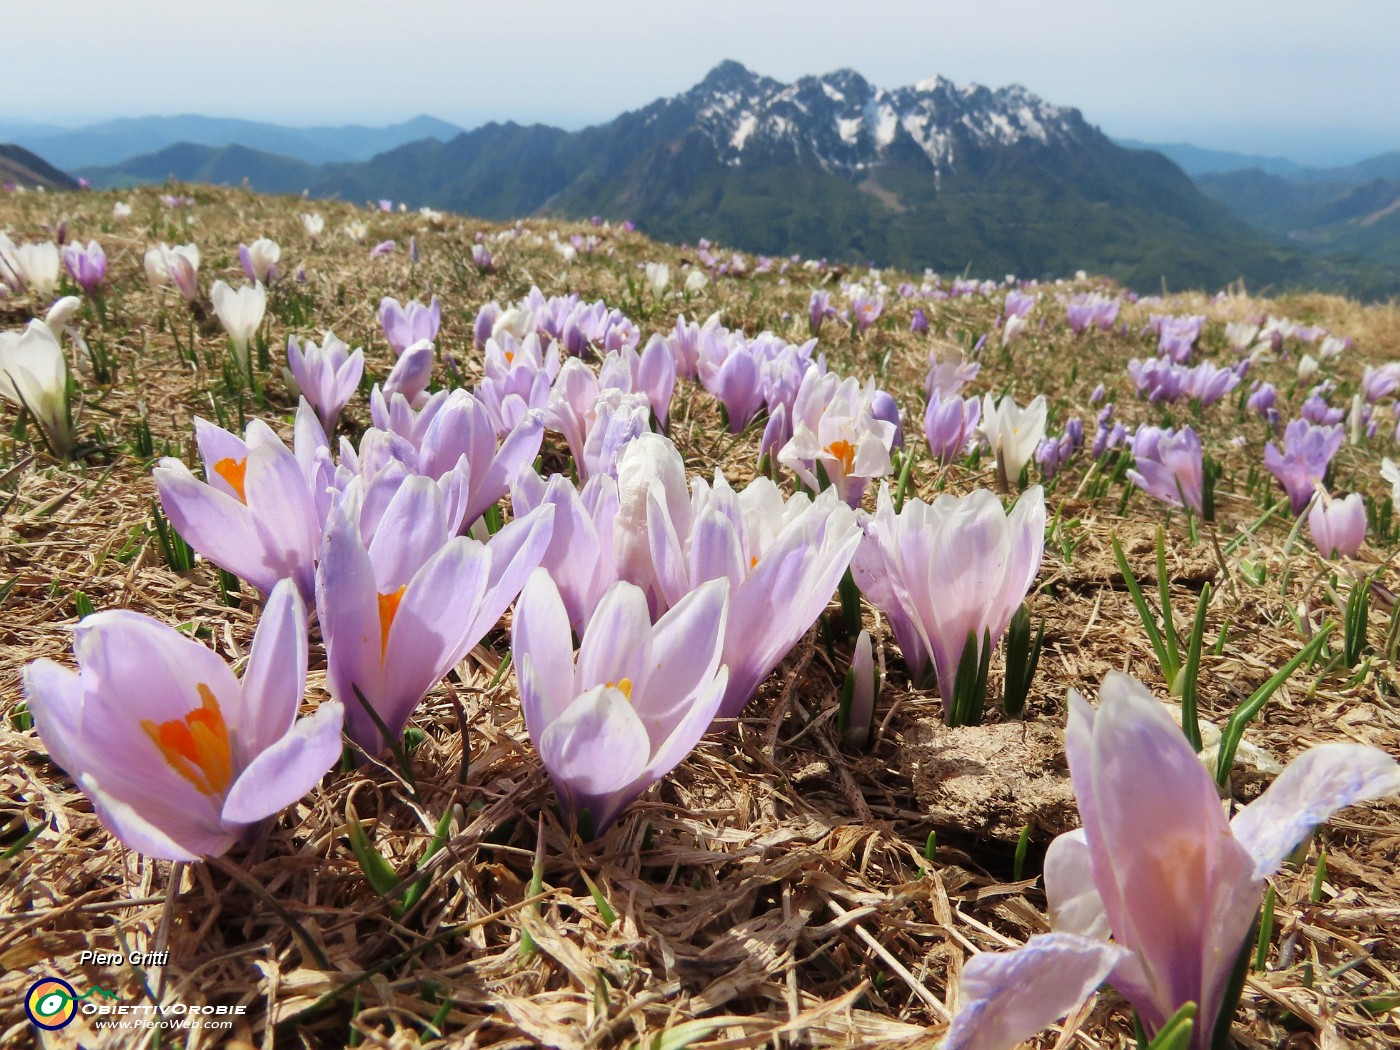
<point>753,561</point>
<point>197,746</point>
<point>843,452</point>
<point>234,471</point>
<point>388,609</point>
<point>624,687</point>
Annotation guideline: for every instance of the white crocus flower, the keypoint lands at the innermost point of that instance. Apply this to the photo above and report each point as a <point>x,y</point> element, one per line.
<point>240,312</point>
<point>658,277</point>
<point>121,210</point>
<point>1013,433</point>
<point>33,376</point>
<point>1391,473</point>
<point>32,266</point>
<point>260,259</point>
<point>696,281</point>
<point>314,224</point>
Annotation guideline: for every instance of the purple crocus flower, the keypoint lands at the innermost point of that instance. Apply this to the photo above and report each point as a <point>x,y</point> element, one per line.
<point>254,514</point>
<point>948,376</point>
<point>819,308</point>
<point>462,437</point>
<point>1380,381</point>
<point>866,308</point>
<point>411,322</point>
<point>1316,410</point>
<point>943,570</point>
<point>326,375</point>
<point>87,265</point>
<point>919,322</point>
<point>382,249</point>
<point>1169,466</point>
<point>616,419</point>
<point>1018,303</point>
<point>1158,865</point>
<point>1262,398</point>
<point>518,378</point>
<point>1338,526</point>
<point>412,373</point>
<point>781,559</point>
<point>1177,336</point>
<point>950,425</point>
<point>634,704</point>
<point>833,426</point>
<point>179,757</point>
<point>399,612</point>
<point>730,372</point>
<point>1307,450</point>
<point>1098,395</point>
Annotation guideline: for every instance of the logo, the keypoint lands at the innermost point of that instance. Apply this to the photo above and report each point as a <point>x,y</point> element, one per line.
<point>52,1002</point>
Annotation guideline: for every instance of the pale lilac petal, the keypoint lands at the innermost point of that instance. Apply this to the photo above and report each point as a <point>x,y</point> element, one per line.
<point>1010,996</point>
<point>185,841</point>
<point>595,752</point>
<point>412,529</point>
<point>347,604</point>
<point>274,681</point>
<point>516,551</point>
<point>1071,896</point>
<point>1314,785</point>
<point>685,652</point>
<point>543,652</point>
<point>289,768</point>
<point>619,638</point>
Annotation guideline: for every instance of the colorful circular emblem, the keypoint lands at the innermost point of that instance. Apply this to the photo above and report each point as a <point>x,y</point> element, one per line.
<point>51,1003</point>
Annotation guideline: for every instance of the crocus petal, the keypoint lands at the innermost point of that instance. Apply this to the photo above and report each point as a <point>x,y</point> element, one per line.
<point>275,679</point>
<point>685,651</point>
<point>289,768</point>
<point>595,752</point>
<point>129,825</point>
<point>540,638</point>
<point>619,638</point>
<point>1314,785</point>
<point>1010,996</point>
<point>1072,898</point>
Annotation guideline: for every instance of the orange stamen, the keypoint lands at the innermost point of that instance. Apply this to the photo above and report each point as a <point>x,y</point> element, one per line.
<point>624,687</point>
<point>388,609</point>
<point>234,471</point>
<point>844,453</point>
<point>197,746</point>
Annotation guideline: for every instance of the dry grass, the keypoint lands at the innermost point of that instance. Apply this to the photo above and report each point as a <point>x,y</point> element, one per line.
<point>774,891</point>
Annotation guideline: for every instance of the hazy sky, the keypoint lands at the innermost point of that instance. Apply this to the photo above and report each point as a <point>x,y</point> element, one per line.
<point>1271,77</point>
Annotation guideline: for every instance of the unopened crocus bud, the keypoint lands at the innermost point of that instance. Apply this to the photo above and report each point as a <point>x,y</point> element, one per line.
<point>919,323</point>
<point>1338,526</point>
<point>1098,395</point>
<point>862,683</point>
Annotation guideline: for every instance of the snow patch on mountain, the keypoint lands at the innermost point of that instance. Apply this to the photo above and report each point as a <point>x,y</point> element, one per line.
<point>849,125</point>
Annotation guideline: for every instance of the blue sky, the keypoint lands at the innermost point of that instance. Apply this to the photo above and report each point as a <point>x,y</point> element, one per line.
<point>1266,77</point>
